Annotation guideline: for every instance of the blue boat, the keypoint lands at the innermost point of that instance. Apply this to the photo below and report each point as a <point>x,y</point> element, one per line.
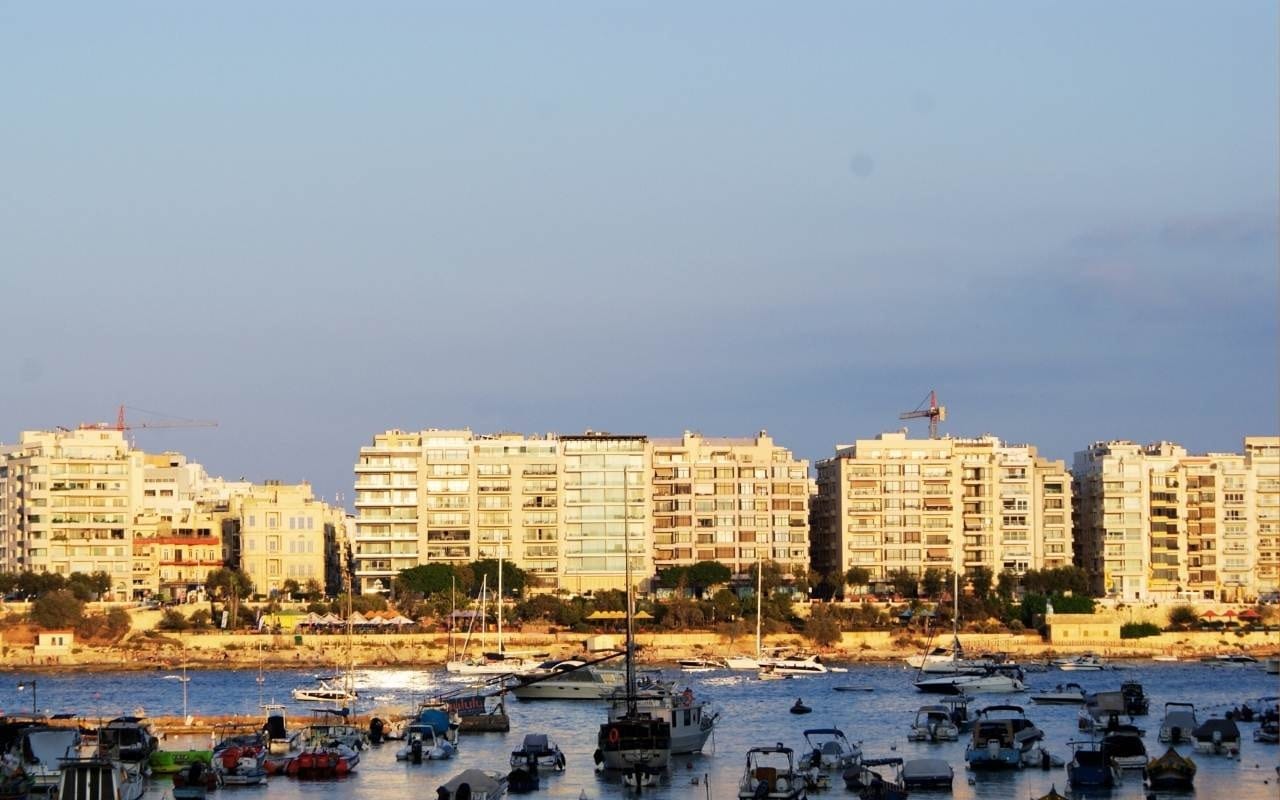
<point>1003,738</point>
<point>1091,767</point>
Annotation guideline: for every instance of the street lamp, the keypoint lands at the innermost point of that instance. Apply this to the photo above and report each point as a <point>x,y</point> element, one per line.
<point>22,685</point>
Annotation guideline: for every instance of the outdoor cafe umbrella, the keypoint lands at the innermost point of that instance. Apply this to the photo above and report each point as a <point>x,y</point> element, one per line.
<point>1230,614</point>
<point>1249,613</point>
<point>1209,614</point>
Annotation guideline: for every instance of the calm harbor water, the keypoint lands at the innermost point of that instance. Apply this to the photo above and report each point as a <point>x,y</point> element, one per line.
<point>753,713</point>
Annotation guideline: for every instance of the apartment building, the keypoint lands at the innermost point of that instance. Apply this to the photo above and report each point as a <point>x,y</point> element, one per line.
<point>565,507</point>
<point>283,532</point>
<point>730,500</point>
<point>894,503</point>
<point>1155,522</point>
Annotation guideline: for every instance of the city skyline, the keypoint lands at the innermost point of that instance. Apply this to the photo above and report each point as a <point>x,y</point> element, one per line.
<point>317,223</point>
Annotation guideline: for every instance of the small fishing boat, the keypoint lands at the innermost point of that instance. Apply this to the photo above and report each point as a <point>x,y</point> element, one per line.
<point>830,749</point>
<point>933,724</point>
<point>771,774</point>
<point>473,784</point>
<point>1136,703</point>
<point>1217,736</point>
<point>875,785</point>
<point>1179,722</point>
<point>1090,767</point>
<point>799,707</point>
<point>1082,663</point>
<point>1268,732</point>
<point>539,750</point>
<point>1123,745</point>
<point>280,740</point>
<point>1003,738</point>
<point>421,743</point>
<point>1062,694</point>
<point>1052,794</point>
<point>1171,772</point>
<point>43,750</point>
<point>170,762</point>
<point>927,773</point>
<point>194,781</point>
<point>700,665</point>
<point>240,760</point>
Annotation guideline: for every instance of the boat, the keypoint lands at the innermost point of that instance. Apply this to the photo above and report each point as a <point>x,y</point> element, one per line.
<point>473,784</point>
<point>692,720</point>
<point>1217,736</point>
<point>126,739</point>
<point>771,774</point>
<point>43,750</point>
<point>1272,665</point>
<point>869,781</point>
<point>830,749</point>
<point>994,681</point>
<point>1062,694</point>
<point>323,761</point>
<point>927,773</point>
<point>1052,794</point>
<point>1090,767</point>
<point>567,679</point>
<point>499,662</point>
<point>1171,772</point>
<point>747,662</point>
<point>538,750</point>
<point>633,738</point>
<point>194,781</point>
<point>171,762</point>
<point>1136,703</point>
<point>1102,710</point>
<point>933,724</point>
<point>1179,722</point>
<point>853,688</point>
<point>1003,737</point>
<point>98,779</point>
<point>1268,732</point>
<point>240,759</point>
<point>479,713</point>
<point>330,726</point>
<point>958,706</point>
<point>799,707</point>
<point>797,664</point>
<point>325,692</point>
<point>1082,663</point>
<point>1231,660</point>
<point>522,780</point>
<point>1123,745</point>
<point>700,665</point>
<point>422,744</point>
<point>1165,658</point>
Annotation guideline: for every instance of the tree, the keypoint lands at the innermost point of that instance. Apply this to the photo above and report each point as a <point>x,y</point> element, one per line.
<point>290,588</point>
<point>427,579</point>
<point>312,591</point>
<point>904,583</point>
<point>822,628</point>
<point>771,576</point>
<point>706,574</point>
<point>89,587</point>
<point>57,609</point>
<point>725,605</point>
<point>1007,584</point>
<point>513,578</point>
<point>932,581</point>
<point>1182,617</point>
<point>981,579</point>
<point>673,577</point>
<point>230,585</point>
<point>858,576</point>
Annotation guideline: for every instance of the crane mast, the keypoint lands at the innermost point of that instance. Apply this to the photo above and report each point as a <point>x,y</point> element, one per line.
<point>928,409</point>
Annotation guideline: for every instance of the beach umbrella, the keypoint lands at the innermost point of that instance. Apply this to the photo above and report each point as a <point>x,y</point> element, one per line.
<point>606,615</point>
<point>1249,613</point>
<point>1209,614</point>
<point>643,615</point>
<point>1230,612</point>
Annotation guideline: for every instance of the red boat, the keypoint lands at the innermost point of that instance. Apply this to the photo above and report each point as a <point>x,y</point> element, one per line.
<point>322,762</point>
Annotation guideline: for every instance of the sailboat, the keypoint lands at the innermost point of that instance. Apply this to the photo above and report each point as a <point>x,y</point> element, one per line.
<point>638,741</point>
<point>326,691</point>
<point>500,662</point>
<point>747,662</point>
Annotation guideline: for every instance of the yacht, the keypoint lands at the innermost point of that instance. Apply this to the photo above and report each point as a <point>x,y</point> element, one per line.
<point>570,679</point>
<point>993,681</point>
<point>1063,694</point>
<point>501,662</point>
<point>1003,737</point>
<point>797,664</point>
<point>1083,663</point>
<point>771,774</point>
<point>700,664</point>
<point>325,692</point>
<point>934,724</point>
<point>1232,660</point>
<point>43,751</point>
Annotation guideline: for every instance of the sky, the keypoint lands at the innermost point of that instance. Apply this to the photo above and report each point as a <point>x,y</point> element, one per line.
<point>316,221</point>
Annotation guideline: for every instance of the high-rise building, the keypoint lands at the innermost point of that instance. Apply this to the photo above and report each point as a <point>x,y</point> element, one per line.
<point>563,507</point>
<point>894,503</point>
<point>1155,522</point>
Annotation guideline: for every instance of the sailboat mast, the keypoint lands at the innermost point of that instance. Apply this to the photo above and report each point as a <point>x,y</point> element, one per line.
<point>453,610</point>
<point>499,596</point>
<point>759,595</point>
<point>631,611</point>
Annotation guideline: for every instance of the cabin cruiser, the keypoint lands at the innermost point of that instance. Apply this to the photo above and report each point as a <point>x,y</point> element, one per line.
<point>1062,694</point>
<point>569,679</point>
<point>1231,660</point>
<point>43,750</point>
<point>1082,663</point>
<point>126,739</point>
<point>1090,767</point>
<point>330,726</point>
<point>1102,711</point>
<point>1217,736</point>
<point>771,774</point>
<point>797,664</point>
<point>538,750</point>
<point>690,717</point>
<point>830,749</point>
<point>1003,738</point>
<point>325,692</point>
<point>700,664</point>
<point>1123,745</point>
<point>1179,722</point>
<point>934,724</point>
<point>994,681</point>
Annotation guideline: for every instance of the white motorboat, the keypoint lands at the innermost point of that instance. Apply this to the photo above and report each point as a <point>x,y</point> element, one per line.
<point>325,692</point>
<point>1232,660</point>
<point>1123,745</point>
<point>1179,722</point>
<point>993,682</point>
<point>1082,663</point>
<point>43,751</point>
<point>569,679</point>
<point>1165,657</point>
<point>539,750</point>
<point>1062,694</point>
<point>771,774</point>
<point>830,750</point>
<point>329,726</point>
<point>1003,738</point>
<point>742,663</point>
<point>934,724</point>
<point>422,744</point>
<point>797,664</point>
<point>700,664</point>
<point>99,778</point>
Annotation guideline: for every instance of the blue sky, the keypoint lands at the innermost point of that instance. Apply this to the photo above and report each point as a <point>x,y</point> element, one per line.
<point>314,221</point>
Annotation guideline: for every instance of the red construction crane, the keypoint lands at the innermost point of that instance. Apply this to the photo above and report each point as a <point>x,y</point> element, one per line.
<point>122,426</point>
<point>928,408</point>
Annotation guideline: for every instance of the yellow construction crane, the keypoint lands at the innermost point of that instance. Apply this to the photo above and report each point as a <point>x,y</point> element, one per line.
<point>928,408</point>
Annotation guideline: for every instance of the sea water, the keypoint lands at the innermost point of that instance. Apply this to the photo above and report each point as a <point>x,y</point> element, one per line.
<point>752,713</point>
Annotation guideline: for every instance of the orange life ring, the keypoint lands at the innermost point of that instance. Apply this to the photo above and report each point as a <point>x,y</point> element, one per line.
<point>688,697</point>
<point>614,736</point>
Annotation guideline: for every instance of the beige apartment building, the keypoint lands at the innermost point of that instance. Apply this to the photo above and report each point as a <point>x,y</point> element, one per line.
<point>282,532</point>
<point>894,503</point>
<point>565,507</point>
<point>1155,522</point>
